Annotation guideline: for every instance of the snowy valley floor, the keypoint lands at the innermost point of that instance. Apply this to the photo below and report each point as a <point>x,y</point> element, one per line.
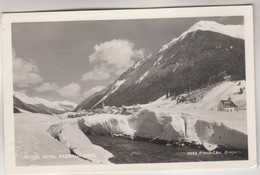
<point>35,146</point>
<point>48,140</point>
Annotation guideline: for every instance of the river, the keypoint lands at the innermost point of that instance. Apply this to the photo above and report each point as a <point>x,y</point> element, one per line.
<point>139,151</point>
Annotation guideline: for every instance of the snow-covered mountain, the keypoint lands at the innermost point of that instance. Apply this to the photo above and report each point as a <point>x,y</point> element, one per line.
<point>235,31</point>
<point>202,55</point>
<point>40,105</point>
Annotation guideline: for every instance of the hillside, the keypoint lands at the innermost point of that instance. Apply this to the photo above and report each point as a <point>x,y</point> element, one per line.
<point>203,55</point>
<point>206,98</point>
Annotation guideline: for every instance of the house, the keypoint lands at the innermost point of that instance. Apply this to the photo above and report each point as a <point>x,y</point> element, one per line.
<point>227,106</point>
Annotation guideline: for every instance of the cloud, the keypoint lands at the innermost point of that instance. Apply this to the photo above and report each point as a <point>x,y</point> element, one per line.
<point>22,91</point>
<point>25,73</point>
<point>71,90</point>
<point>112,58</point>
<point>47,86</point>
<point>93,90</point>
<point>96,74</point>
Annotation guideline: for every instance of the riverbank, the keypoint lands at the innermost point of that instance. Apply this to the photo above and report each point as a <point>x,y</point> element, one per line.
<point>146,137</point>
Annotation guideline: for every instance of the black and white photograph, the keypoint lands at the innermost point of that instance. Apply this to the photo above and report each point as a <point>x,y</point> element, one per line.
<point>130,90</point>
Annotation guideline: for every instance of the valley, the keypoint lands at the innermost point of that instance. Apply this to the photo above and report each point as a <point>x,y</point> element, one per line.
<point>187,98</point>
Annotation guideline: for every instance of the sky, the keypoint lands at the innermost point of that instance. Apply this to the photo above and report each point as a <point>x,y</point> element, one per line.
<point>74,59</point>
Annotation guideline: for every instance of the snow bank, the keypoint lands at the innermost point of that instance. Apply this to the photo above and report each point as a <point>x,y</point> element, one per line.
<point>166,126</point>
<point>202,131</point>
<point>227,137</point>
<point>108,124</point>
<point>78,143</point>
<point>148,125</point>
<point>174,130</point>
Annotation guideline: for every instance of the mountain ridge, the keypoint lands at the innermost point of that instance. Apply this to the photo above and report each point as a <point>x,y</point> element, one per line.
<point>40,105</point>
<point>194,60</point>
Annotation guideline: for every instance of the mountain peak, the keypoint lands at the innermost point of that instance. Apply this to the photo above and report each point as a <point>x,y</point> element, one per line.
<point>189,62</point>
<point>235,31</point>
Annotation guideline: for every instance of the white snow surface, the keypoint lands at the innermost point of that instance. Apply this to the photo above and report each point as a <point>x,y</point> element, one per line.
<point>137,64</point>
<point>177,65</point>
<point>77,142</point>
<point>220,92</point>
<point>235,31</point>
<point>60,105</point>
<point>115,87</point>
<point>35,146</point>
<point>108,124</point>
<point>206,108</point>
<point>172,126</point>
<point>198,122</point>
<point>166,46</point>
<point>210,97</point>
<point>141,78</point>
<point>140,62</point>
<point>158,61</point>
<point>225,90</point>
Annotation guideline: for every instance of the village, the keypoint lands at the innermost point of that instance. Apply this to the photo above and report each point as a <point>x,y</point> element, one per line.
<point>197,99</point>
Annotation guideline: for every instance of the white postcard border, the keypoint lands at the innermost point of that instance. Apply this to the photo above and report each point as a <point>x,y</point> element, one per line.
<point>8,19</point>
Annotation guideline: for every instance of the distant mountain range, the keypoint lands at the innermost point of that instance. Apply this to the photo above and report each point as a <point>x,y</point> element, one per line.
<point>205,54</point>
<point>40,105</point>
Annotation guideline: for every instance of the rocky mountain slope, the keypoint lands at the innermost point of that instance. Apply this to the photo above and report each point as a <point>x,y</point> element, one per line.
<point>205,54</point>
<point>40,105</point>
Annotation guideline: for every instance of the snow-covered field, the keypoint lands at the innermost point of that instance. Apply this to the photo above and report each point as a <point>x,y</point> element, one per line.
<point>51,140</point>
<point>199,122</point>
<point>206,108</point>
<point>34,145</point>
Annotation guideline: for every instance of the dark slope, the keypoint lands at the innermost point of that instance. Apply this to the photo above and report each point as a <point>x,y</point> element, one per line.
<point>199,59</point>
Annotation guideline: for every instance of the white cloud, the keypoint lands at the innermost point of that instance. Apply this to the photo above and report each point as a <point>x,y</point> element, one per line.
<point>96,74</point>
<point>47,86</point>
<point>25,73</point>
<point>71,90</point>
<point>22,91</point>
<point>112,58</point>
<point>93,90</point>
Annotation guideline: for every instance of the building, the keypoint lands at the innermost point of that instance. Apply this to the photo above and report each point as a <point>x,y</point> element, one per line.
<point>227,106</point>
